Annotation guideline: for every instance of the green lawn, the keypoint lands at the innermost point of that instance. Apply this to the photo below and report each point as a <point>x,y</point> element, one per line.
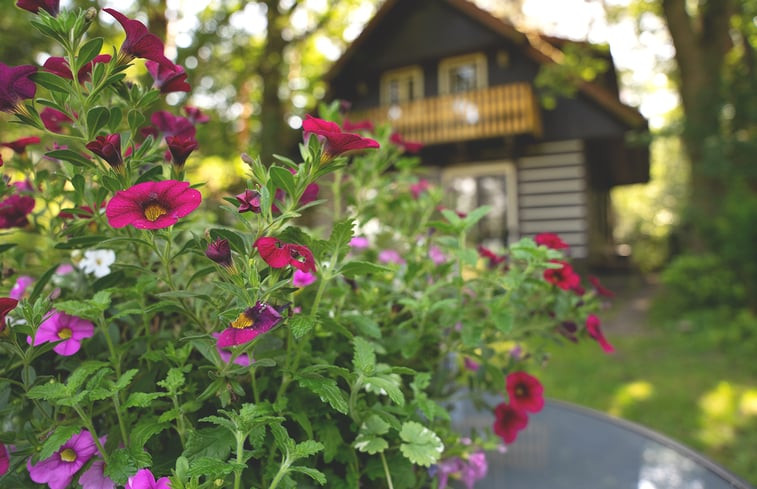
<point>700,395</point>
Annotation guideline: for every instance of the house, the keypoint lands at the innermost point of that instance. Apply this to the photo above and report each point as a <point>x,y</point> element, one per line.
<point>452,76</point>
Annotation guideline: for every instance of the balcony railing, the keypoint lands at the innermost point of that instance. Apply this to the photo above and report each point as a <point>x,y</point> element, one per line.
<point>490,112</point>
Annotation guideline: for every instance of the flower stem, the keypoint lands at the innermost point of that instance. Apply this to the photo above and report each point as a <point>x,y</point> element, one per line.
<point>240,436</point>
<point>386,471</point>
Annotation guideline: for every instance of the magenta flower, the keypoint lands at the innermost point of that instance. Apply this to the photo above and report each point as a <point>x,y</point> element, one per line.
<point>471,364</point>
<point>58,470</point>
<point>251,323</point>
<point>249,201</point>
<point>420,187</point>
<point>19,288</point>
<point>7,304</point>
<point>58,65</point>
<point>563,277</point>
<point>360,243</point>
<point>594,330</point>
<point>52,119</point>
<point>19,145</point>
<point>601,290</point>
<point>94,477</point>
<point>390,256</point>
<point>525,391</point>
<point>406,146</point>
<point>220,252</point>
<point>4,459</point>
<point>168,78</point>
<point>51,6</point>
<point>278,254</point>
<point>508,422</point>
<point>303,279</point>
<point>335,142</point>
<point>152,205</point>
<point>365,125</point>
<point>444,469</point>
<point>15,86</point>
<point>14,209</point>
<point>243,359</point>
<point>195,115</point>
<point>139,42</point>
<point>437,255</point>
<point>172,125</point>
<point>494,259</point>
<point>144,479</point>
<point>108,148</point>
<point>67,331</point>
<point>181,147</point>
<point>550,240</point>
<point>474,469</point>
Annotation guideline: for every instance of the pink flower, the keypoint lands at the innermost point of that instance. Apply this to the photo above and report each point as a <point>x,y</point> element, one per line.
<point>250,324</point>
<point>525,391</point>
<point>594,330</point>
<point>52,119</point>
<point>168,77</point>
<point>365,125</point>
<point>508,422</point>
<point>94,477</point>
<point>152,205</point>
<point>14,209</point>
<point>243,359</point>
<point>180,148</point>
<point>550,240</point>
<point>15,86</point>
<point>4,459</point>
<point>436,255</point>
<point>144,479</point>
<point>7,304</point>
<point>445,468</point>
<point>474,469</point>
<point>19,288</point>
<point>408,146</point>
<point>108,148</point>
<point>335,142</point>
<point>67,331</point>
<point>19,145</point>
<point>58,470</point>
<point>303,279</point>
<point>563,277</point>
<point>359,243</point>
<point>390,256</point>
<point>420,187</point>
<point>139,42</point>
<point>195,115</point>
<point>278,254</point>
<point>471,364</point>
<point>51,6</point>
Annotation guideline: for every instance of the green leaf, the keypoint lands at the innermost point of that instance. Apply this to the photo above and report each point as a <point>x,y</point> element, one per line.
<point>327,390</point>
<point>301,325</point>
<point>116,115</point>
<point>306,449</point>
<point>141,399</point>
<point>146,428</point>
<point>97,118</point>
<point>125,379</point>
<point>41,282</point>
<point>283,179</point>
<point>72,157</point>
<point>220,421</point>
<point>80,242</point>
<point>314,474</point>
<point>355,268</point>
<point>235,239</point>
<point>421,445</point>
<point>124,463</point>
<point>365,326</point>
<point>369,438</point>
<point>389,384</point>
<point>364,359</point>
<point>135,119</point>
<point>211,468</point>
<point>89,50</point>
<point>174,380</point>
<point>213,442</point>
<point>476,215</point>
<point>7,246</point>
<point>341,234</point>
<point>51,82</point>
<point>48,392</point>
<point>60,436</point>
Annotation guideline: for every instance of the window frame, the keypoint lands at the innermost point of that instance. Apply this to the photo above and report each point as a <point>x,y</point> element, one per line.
<point>478,60</point>
<point>413,72</point>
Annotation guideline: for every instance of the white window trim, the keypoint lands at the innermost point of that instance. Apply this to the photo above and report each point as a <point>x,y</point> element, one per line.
<point>445,65</point>
<point>415,72</point>
<point>479,169</point>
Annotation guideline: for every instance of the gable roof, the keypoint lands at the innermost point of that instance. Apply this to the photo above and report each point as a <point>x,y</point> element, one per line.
<point>540,48</point>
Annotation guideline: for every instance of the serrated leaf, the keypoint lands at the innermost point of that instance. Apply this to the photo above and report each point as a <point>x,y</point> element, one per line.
<point>421,445</point>
<point>314,474</point>
<point>60,436</point>
<point>284,442</point>
<point>220,421</point>
<point>124,463</point>
<point>387,384</point>
<point>174,380</point>
<point>213,442</point>
<point>370,444</point>
<point>374,425</point>
<point>341,233</point>
<point>301,324</point>
<point>48,392</point>
<point>145,429</point>
<point>306,449</point>
<point>141,399</point>
<point>327,390</point>
<point>355,268</point>
<point>211,468</point>
<point>476,215</point>
<point>364,358</point>
<point>169,415</point>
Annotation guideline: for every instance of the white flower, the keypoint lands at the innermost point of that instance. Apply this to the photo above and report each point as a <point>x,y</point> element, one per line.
<point>97,262</point>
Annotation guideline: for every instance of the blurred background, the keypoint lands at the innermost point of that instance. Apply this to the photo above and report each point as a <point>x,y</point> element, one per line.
<point>683,320</point>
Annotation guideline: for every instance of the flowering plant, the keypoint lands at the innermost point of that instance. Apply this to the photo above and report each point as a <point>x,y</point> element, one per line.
<point>151,339</point>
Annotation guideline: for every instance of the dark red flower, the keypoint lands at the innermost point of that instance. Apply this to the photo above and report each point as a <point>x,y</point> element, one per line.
<point>251,323</point>
<point>309,195</point>
<point>220,252</point>
<point>172,125</point>
<point>15,86</point>
<point>550,240</point>
<point>108,148</point>
<point>181,147</point>
<point>4,460</point>
<point>594,330</point>
<point>301,258</point>
<point>139,42</point>
<point>168,78</point>
<point>601,290</point>
<point>14,209</point>
<point>494,259</point>
<point>525,391</point>
<point>335,142</point>
<point>6,305</point>
<point>59,66</point>
<point>52,119</point>
<point>365,125</point>
<point>51,6</point>
<point>195,115</point>
<point>563,277</point>
<point>407,146</point>
<point>278,254</point>
<point>249,201</point>
<point>19,145</point>
<point>508,421</point>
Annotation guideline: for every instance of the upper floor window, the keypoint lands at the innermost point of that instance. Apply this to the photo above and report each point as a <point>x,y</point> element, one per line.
<point>401,85</point>
<point>462,73</point>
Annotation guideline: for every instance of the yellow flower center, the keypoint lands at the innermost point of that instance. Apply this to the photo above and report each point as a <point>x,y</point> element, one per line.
<point>65,333</point>
<point>68,455</point>
<point>242,321</point>
<point>154,211</point>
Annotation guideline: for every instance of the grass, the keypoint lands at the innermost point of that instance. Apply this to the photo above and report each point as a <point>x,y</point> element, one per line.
<point>681,385</point>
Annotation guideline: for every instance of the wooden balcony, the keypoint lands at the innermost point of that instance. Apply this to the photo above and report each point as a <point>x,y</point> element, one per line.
<point>489,112</point>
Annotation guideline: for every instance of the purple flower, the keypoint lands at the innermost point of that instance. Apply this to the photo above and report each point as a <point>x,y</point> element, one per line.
<point>474,469</point>
<point>108,148</point>
<point>168,78</point>
<point>58,470</point>
<point>4,459</point>
<point>251,323</point>
<point>445,468</point>
<point>249,201</point>
<point>139,42</point>
<point>152,205</point>
<point>436,255</point>
<point>51,6</point>
<point>172,125</point>
<point>19,288</point>
<point>94,477</point>
<point>195,115</point>
<point>220,252</point>
<point>243,359</point>
<point>52,119</point>
<point>14,209</point>
<point>390,256</point>
<point>180,148</point>
<point>144,479</point>
<point>15,86</point>
<point>471,364</point>
<point>302,278</point>
<point>59,66</point>
<point>67,330</point>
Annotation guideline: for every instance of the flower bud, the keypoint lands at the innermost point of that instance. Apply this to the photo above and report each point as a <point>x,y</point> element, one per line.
<point>219,252</point>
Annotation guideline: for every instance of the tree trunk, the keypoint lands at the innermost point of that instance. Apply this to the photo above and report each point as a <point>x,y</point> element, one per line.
<point>272,108</point>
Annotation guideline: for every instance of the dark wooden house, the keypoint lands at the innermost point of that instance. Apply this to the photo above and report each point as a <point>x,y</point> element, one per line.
<point>452,76</point>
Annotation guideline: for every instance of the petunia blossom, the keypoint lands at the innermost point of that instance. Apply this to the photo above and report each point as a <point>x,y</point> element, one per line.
<point>494,259</point>
<point>52,119</point>
<point>168,77</point>
<point>474,469</point>
<point>550,240</point>
<point>94,477</point>
<point>108,147</point>
<point>601,290</point>
<point>19,288</point>
<point>97,262</point>
<point>4,459</point>
<point>563,277</point>
<point>220,252</point>
<point>364,125</point>
<point>19,145</point>
<point>14,209</point>
<point>15,86</point>
<point>444,469</point>
<point>413,147</point>
<point>594,330</point>
<point>152,205</point>
<point>437,255</point>
<point>420,187</point>
<point>195,115</point>
<point>390,256</point>
<point>139,42</point>
<point>172,125</point>
<point>180,148</point>
<point>51,6</point>
<point>65,330</point>
<point>525,391</point>
<point>249,201</point>
<point>58,65</point>
<point>303,279</point>
<point>59,469</point>
<point>359,243</point>
<point>242,359</point>
<point>144,479</point>
<point>335,142</point>
<point>251,323</point>
<point>278,254</point>
<point>7,304</point>
<point>508,421</point>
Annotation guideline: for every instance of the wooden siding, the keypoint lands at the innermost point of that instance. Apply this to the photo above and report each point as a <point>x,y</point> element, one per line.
<point>552,194</point>
<point>490,112</point>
